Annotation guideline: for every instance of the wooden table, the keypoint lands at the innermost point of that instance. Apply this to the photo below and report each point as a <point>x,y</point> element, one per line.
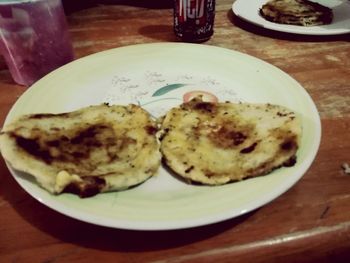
<point>310,222</point>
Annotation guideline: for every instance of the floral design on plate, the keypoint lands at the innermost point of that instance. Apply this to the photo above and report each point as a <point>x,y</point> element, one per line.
<point>159,91</point>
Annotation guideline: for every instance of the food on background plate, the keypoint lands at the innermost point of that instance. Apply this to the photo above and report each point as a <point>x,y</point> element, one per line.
<point>217,143</point>
<point>296,12</point>
<point>92,150</point>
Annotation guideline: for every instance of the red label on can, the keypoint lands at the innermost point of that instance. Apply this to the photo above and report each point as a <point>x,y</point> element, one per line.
<point>192,10</point>
<point>194,19</point>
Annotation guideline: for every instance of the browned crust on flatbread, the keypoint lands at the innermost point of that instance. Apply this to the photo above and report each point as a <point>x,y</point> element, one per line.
<point>217,143</point>
<point>91,150</point>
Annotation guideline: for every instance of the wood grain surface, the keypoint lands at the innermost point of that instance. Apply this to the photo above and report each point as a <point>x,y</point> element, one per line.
<point>309,223</point>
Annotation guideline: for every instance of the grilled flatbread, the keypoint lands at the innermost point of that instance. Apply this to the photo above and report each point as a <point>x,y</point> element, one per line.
<point>216,143</point>
<point>95,149</point>
<point>296,12</point>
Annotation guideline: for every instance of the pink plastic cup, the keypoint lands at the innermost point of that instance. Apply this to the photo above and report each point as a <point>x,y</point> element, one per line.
<point>34,39</point>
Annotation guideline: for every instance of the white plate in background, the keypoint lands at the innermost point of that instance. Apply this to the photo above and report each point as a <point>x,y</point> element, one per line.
<point>249,10</point>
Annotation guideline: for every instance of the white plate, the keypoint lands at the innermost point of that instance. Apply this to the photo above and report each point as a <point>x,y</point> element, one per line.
<point>249,10</point>
<point>139,74</point>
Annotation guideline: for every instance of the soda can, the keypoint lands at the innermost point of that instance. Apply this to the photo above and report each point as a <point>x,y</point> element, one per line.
<point>194,19</point>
